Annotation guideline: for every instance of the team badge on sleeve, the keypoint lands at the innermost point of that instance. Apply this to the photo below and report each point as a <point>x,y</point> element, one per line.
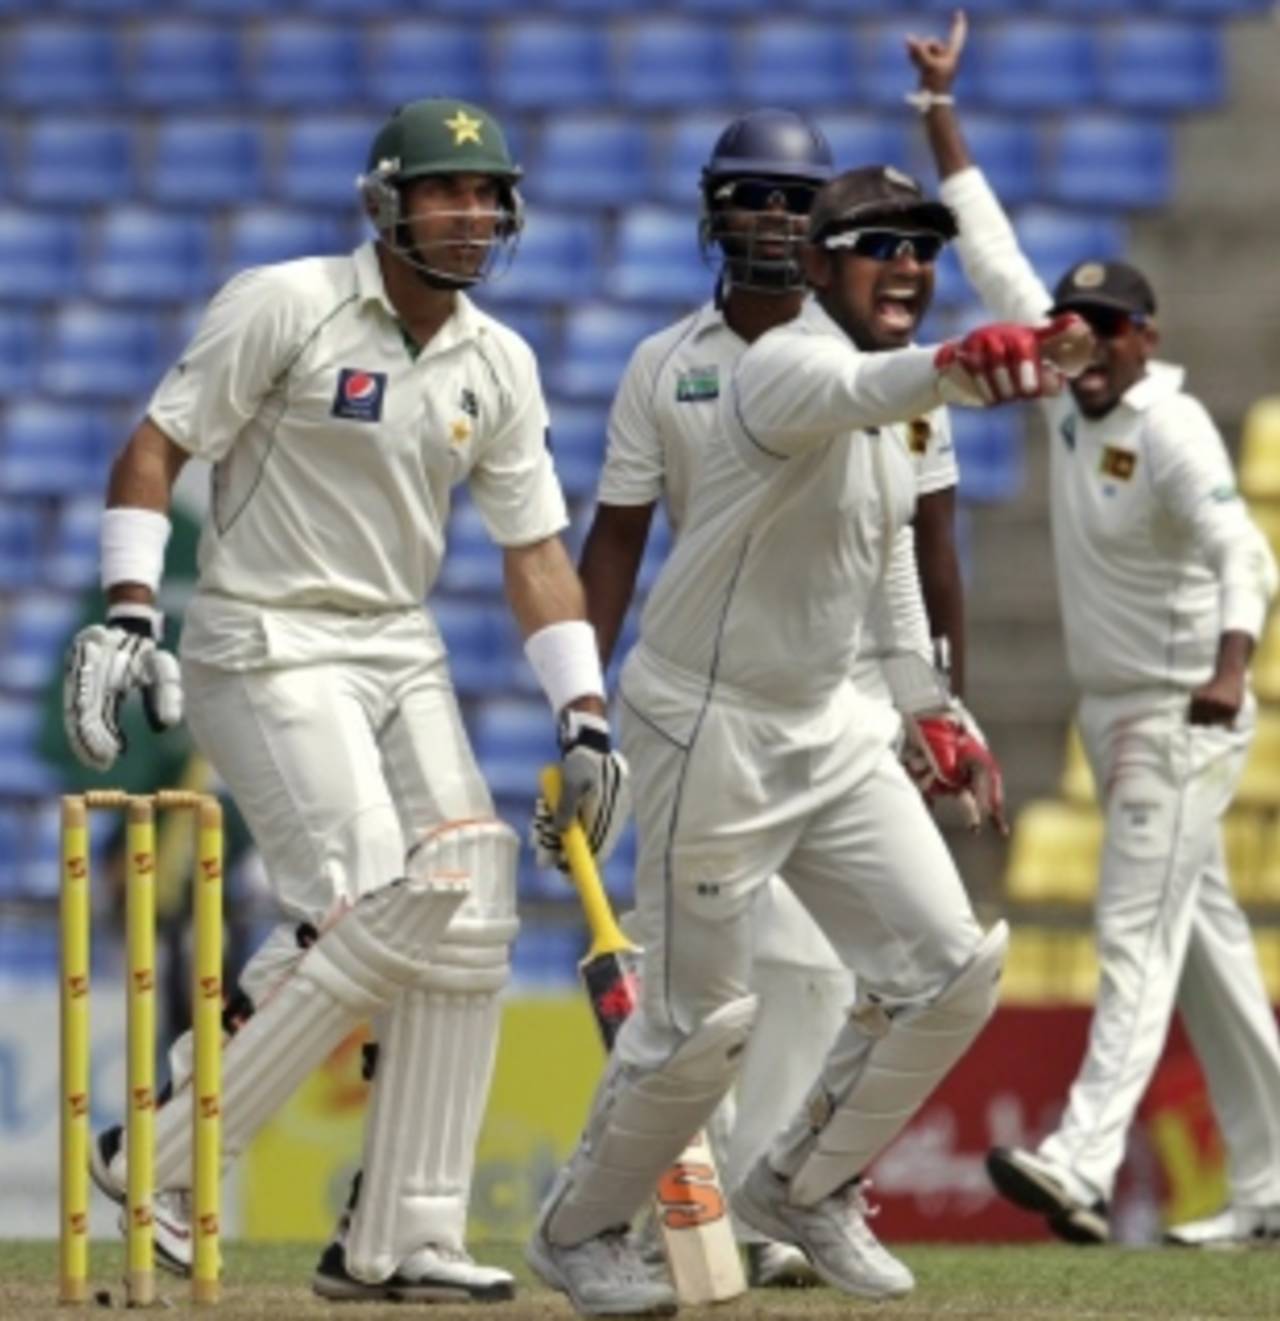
<point>359,394</point>
<point>1118,463</point>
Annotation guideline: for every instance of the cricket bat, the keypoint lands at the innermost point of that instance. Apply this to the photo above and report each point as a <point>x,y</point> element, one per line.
<point>689,1204</point>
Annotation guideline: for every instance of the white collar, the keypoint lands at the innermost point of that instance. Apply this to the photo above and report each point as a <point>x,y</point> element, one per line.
<point>1162,380</point>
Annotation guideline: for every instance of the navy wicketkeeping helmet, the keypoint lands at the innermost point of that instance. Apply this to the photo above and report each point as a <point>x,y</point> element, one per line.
<point>757,187</point>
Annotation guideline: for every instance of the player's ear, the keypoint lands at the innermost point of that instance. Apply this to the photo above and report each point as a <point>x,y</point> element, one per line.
<point>1150,338</point>
<point>817,265</point>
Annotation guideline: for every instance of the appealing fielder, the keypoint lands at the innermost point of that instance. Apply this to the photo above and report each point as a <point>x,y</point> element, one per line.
<point>1164,583</point>
<point>756,192</point>
<point>340,400</point>
<point>755,755</point>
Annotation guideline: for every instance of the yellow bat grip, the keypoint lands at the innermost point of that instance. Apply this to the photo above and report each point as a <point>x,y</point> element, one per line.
<point>606,935</point>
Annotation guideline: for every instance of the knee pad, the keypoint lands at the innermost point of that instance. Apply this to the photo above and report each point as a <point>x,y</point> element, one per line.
<point>880,1070</point>
<point>641,1119</point>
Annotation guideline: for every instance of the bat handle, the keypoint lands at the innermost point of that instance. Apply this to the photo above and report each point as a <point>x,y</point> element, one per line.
<point>606,935</point>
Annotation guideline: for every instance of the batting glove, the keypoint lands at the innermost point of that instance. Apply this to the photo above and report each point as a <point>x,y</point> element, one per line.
<point>595,788</point>
<point>105,663</point>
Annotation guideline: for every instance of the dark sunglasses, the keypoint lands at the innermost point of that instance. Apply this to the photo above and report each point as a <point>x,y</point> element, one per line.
<point>763,194</point>
<point>888,244</point>
<point>1109,322</point>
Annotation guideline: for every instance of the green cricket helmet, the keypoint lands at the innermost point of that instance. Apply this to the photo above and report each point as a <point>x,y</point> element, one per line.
<point>439,136</point>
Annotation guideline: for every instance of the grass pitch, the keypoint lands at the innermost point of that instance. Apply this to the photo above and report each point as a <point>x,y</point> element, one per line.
<point>1048,1283</point>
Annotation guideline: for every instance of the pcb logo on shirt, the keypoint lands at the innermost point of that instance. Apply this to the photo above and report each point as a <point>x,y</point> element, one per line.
<point>359,394</point>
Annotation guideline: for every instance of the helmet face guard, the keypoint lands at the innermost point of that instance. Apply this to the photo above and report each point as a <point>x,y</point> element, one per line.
<point>757,188</point>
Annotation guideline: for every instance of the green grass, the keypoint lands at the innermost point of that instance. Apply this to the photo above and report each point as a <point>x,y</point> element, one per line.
<point>981,1283</point>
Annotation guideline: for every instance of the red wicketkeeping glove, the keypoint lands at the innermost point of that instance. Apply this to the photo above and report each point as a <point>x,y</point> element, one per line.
<point>1005,360</point>
<point>947,757</point>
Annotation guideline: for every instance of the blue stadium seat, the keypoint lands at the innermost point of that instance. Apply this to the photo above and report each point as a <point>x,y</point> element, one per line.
<point>850,8</point>
<point>513,739</point>
<point>1084,8</point>
<point>23,772</point>
<point>22,534</point>
<point>884,75</point>
<point>858,139</point>
<point>1054,240</point>
<point>680,152</point>
<point>295,62</point>
<point>36,629</point>
<point>93,352</point>
<point>1035,64</point>
<point>178,63</point>
<point>598,341</point>
<point>590,160</point>
<point>558,260</point>
<point>548,64</point>
<point>359,9</point>
<point>412,58</point>
<point>658,259</point>
<point>227,8</point>
<point>12,844</point>
<point>53,62</point>
<point>1111,161</point>
<point>145,255</point>
<point>1216,8</point>
<point>321,156</point>
<point>533,324</point>
<point>1156,65</point>
<point>474,9</point>
<point>796,62</point>
<point>260,235</point>
<point>75,547</point>
<point>577,445</point>
<point>206,162</point>
<point>19,351</point>
<point>105,8</point>
<point>72,161</point>
<point>1006,147</point>
<point>950,288</point>
<point>40,257</point>
<point>54,449</point>
<point>546,958</point>
<point>673,62</point>
<point>480,644</point>
<point>974,7</point>
<point>989,450</point>
<point>472,562</point>
<point>724,8</point>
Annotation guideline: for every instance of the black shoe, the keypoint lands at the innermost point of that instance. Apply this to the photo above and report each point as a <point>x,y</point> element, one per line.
<point>1029,1181</point>
<point>430,1275</point>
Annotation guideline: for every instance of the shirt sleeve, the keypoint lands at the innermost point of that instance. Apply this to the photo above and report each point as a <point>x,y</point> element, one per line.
<point>938,469</point>
<point>241,347</point>
<point>988,248</point>
<point>514,483</point>
<point>1192,477</point>
<point>634,466</point>
<point>896,622</point>
<point>792,391</point>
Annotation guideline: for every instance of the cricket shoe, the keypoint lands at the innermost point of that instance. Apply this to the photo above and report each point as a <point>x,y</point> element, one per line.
<point>432,1274</point>
<point>170,1209</point>
<point>602,1276</point>
<point>1232,1227</point>
<point>1038,1185</point>
<point>833,1233</point>
<point>773,1265</point>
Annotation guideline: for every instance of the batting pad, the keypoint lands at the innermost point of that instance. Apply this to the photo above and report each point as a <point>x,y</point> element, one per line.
<point>878,1074</point>
<point>356,969</point>
<point>641,1121</point>
<point>435,1062</point>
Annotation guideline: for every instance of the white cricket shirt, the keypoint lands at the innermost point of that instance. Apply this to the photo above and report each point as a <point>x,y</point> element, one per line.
<point>793,506</point>
<point>1156,554</point>
<point>666,410</point>
<point>335,451</point>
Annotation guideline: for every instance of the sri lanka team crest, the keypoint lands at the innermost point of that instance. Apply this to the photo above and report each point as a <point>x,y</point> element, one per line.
<point>359,394</point>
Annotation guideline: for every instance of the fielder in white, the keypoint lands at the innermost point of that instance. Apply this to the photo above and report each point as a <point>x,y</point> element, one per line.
<point>755,755</point>
<point>340,400</point>
<point>757,189</point>
<point>1164,583</point>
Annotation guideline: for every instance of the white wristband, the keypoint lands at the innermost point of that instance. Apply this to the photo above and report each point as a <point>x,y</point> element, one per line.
<point>566,661</point>
<point>133,543</point>
<point>924,100</point>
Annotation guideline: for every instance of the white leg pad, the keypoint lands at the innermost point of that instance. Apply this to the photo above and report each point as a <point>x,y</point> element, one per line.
<point>435,1063</point>
<point>640,1121</point>
<point>878,1074</point>
<point>358,967</point>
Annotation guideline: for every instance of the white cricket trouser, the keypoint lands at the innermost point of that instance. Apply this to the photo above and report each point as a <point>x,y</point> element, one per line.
<point>337,767</point>
<point>1169,929</point>
<point>729,792</point>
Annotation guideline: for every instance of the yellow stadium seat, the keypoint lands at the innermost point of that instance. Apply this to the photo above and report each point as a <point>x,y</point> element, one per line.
<point>1243,836</point>
<point>1076,784</point>
<point>1260,784</point>
<point>1267,941</point>
<point>1267,516</point>
<point>1049,966</point>
<point>1266,887</point>
<point>1053,857</point>
<point>1266,663</point>
<point>1260,450</point>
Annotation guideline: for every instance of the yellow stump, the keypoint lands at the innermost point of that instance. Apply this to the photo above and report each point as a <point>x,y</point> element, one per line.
<point>206,1002</point>
<point>140,1115</point>
<point>73,1237</point>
